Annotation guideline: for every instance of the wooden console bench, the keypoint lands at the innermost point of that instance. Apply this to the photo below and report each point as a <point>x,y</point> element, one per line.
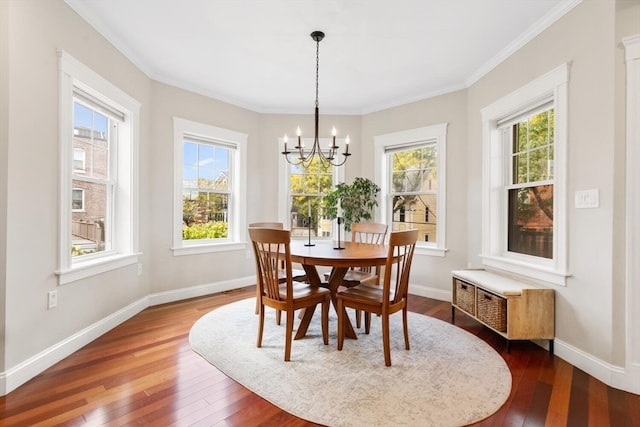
<point>515,310</point>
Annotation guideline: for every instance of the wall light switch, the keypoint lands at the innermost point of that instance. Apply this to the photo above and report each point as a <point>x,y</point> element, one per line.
<point>587,199</point>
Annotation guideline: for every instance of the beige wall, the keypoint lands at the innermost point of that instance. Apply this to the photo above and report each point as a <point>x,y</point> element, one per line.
<point>168,272</point>
<point>36,31</point>
<point>584,38</point>
<point>431,274</point>
<point>589,314</point>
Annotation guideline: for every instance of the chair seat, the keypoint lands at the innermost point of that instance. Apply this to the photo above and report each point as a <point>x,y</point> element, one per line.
<point>366,292</point>
<point>302,291</point>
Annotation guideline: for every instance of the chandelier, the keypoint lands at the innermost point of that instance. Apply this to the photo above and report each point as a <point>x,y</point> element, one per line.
<point>301,156</point>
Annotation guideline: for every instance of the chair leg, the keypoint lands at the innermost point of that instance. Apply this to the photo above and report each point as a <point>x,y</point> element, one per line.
<point>358,318</point>
<point>405,327</point>
<point>278,317</point>
<point>288,336</point>
<point>325,321</point>
<point>385,340</point>
<point>367,322</point>
<point>260,326</point>
<point>340,324</point>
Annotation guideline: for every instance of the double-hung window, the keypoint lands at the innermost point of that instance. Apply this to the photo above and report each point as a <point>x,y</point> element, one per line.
<point>302,189</point>
<point>98,179</point>
<point>524,166</point>
<point>411,168</point>
<point>209,179</point>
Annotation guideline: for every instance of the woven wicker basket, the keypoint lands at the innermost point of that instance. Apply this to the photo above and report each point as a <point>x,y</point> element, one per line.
<point>492,310</point>
<point>466,297</point>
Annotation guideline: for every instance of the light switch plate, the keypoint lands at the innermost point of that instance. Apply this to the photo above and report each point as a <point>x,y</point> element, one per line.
<point>587,199</point>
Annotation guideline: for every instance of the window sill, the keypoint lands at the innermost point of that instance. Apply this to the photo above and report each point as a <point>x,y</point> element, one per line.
<point>208,248</point>
<point>527,270</point>
<point>430,251</point>
<point>82,270</point>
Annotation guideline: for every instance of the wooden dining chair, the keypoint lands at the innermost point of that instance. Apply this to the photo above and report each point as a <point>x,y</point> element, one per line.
<point>298,275</point>
<point>271,248</point>
<point>364,232</point>
<point>387,299</point>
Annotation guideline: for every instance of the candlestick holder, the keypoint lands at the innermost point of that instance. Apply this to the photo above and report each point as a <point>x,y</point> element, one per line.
<point>339,246</point>
<point>309,228</point>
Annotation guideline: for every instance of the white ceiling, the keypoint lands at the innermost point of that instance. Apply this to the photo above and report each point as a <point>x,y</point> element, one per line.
<point>258,54</point>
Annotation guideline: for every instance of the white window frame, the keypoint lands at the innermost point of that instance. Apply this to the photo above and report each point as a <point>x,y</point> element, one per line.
<point>73,75</point>
<point>411,138</point>
<point>183,128</point>
<point>284,186</point>
<point>552,85</point>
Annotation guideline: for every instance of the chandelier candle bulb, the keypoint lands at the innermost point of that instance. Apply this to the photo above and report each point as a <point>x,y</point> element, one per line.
<point>347,145</point>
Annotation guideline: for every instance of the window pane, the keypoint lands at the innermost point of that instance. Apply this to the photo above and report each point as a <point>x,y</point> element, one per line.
<point>206,186</point>
<point>530,228</point>
<point>416,212</point>
<point>413,194</point>
<point>204,215</point>
<point>307,187</point>
<point>91,136</point>
<point>90,203</point>
<point>533,149</point>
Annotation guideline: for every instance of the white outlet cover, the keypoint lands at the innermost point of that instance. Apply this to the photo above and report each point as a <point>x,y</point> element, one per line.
<point>585,199</point>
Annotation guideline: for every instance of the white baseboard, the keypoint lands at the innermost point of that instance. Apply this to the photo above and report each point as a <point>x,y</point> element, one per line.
<point>426,291</point>
<point>24,371</point>
<point>200,290</point>
<point>612,375</point>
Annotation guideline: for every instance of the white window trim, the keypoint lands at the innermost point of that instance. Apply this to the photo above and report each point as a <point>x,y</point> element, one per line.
<point>74,74</point>
<point>236,233</point>
<point>437,133</point>
<point>284,188</point>
<point>632,274</point>
<point>494,254</point>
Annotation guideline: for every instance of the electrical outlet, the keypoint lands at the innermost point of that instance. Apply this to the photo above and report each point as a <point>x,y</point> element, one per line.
<point>53,299</point>
<point>139,269</point>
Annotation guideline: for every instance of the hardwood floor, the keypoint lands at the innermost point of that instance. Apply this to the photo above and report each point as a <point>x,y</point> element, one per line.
<point>144,373</point>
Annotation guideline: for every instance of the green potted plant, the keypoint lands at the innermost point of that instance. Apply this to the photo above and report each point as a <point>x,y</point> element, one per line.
<point>356,200</point>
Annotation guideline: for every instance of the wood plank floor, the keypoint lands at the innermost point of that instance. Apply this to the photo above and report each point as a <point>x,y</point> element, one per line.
<point>144,373</point>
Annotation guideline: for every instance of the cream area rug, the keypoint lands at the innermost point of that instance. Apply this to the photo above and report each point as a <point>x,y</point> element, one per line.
<point>448,378</point>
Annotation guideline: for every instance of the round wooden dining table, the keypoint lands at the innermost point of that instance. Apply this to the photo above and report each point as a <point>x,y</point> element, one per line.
<point>325,254</point>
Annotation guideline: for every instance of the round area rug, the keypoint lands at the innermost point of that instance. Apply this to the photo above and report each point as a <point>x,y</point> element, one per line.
<point>448,378</point>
